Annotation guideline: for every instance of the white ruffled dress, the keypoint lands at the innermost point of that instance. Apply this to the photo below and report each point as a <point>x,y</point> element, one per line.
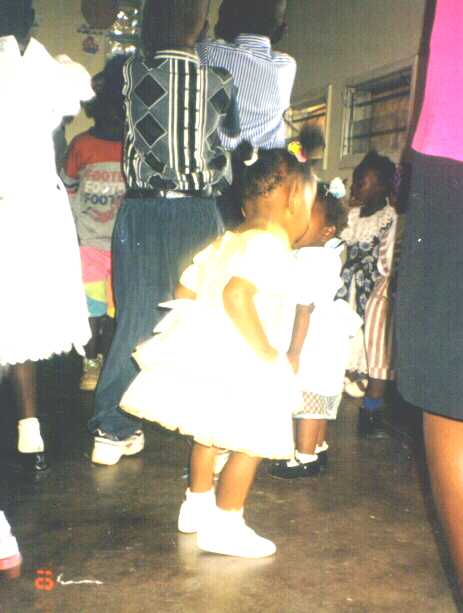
<point>43,310</point>
<point>200,376</point>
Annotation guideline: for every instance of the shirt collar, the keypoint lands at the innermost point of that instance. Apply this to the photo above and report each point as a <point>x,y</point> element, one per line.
<point>176,54</point>
<point>254,42</point>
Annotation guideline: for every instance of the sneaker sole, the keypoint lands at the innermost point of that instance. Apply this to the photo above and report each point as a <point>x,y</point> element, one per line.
<point>108,453</point>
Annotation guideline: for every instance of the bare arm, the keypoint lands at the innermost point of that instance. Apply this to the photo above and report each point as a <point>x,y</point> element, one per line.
<point>238,300</point>
<point>300,329</point>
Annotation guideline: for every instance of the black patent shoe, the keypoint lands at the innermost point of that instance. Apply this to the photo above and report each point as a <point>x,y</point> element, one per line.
<point>370,424</point>
<point>34,463</point>
<point>281,470</point>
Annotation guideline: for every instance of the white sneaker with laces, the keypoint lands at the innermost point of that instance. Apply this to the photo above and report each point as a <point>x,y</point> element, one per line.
<point>227,534</point>
<point>108,449</point>
<point>195,510</point>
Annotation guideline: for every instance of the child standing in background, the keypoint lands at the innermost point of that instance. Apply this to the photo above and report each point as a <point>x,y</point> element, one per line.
<point>322,328</point>
<point>215,370</point>
<point>93,177</point>
<point>371,238</point>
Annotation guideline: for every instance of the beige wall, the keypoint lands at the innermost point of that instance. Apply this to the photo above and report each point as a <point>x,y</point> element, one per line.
<point>337,40</point>
<point>58,22</point>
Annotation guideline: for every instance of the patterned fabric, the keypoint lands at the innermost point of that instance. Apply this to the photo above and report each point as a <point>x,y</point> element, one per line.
<point>368,271</point>
<point>316,406</point>
<point>96,275</point>
<point>362,268</point>
<point>174,108</point>
<point>264,79</point>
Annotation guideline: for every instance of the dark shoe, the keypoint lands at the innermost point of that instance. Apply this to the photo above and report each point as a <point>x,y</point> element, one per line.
<point>370,424</point>
<point>281,470</point>
<point>323,459</point>
<point>34,463</point>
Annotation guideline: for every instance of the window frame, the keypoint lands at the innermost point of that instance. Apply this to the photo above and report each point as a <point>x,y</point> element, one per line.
<point>350,160</point>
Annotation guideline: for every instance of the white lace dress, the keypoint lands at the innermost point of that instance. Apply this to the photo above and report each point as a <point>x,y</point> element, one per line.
<point>42,309</point>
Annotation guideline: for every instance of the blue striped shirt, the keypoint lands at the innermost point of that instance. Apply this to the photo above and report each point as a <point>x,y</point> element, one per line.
<point>264,79</point>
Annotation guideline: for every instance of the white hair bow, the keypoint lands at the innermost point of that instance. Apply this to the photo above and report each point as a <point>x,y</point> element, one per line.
<point>337,188</point>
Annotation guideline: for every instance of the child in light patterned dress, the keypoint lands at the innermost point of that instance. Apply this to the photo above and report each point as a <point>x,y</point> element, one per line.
<point>322,328</point>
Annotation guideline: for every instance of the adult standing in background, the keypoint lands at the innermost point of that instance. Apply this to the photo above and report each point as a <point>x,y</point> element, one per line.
<point>43,309</point>
<point>430,290</point>
<point>173,172</point>
<point>264,78</point>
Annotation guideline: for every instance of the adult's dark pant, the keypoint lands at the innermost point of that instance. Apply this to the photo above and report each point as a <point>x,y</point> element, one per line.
<point>154,241</point>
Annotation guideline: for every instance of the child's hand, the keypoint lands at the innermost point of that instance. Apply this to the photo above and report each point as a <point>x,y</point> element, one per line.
<point>293,359</point>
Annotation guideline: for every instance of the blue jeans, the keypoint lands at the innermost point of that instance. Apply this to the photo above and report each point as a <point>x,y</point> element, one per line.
<point>154,240</point>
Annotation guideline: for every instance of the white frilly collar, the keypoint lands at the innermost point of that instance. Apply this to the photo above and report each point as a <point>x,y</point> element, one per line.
<point>364,229</point>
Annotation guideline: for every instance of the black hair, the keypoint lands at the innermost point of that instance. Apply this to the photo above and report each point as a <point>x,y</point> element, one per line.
<point>270,170</point>
<point>172,23</point>
<point>109,101</point>
<point>247,17</point>
<point>311,139</point>
<point>382,165</point>
<point>334,208</point>
<point>16,18</point>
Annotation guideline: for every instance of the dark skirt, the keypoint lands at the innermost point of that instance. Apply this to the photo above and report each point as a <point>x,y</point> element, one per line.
<point>429,323</point>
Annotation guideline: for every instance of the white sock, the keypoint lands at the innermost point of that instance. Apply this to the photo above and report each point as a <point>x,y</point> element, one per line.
<point>200,497</point>
<point>323,447</point>
<point>306,458</point>
<point>224,515</point>
<point>29,438</point>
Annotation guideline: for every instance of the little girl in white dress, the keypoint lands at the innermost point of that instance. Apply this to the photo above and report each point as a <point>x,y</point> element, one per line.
<point>217,368</point>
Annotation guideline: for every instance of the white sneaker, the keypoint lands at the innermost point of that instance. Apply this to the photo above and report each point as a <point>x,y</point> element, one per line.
<point>108,449</point>
<point>227,534</point>
<point>195,511</point>
<point>9,550</point>
<point>29,438</point>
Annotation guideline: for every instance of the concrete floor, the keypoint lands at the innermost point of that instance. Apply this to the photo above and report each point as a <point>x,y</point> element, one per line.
<point>361,538</point>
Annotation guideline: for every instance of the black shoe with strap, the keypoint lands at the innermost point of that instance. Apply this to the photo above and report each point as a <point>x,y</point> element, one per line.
<point>281,470</point>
